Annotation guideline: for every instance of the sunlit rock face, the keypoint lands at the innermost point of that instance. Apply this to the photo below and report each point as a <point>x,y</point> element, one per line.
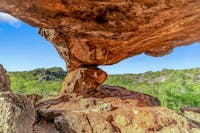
<point>88,33</point>
<point>102,32</point>
<point>109,110</point>
<point>83,80</point>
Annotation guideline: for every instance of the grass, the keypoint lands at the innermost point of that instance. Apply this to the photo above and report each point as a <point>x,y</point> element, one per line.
<point>26,83</point>
<point>174,88</point>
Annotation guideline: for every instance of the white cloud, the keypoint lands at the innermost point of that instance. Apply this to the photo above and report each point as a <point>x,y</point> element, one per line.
<point>7,18</point>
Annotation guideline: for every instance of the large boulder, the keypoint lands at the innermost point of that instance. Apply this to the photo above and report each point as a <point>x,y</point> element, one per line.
<point>107,111</point>
<point>82,80</point>
<point>17,112</point>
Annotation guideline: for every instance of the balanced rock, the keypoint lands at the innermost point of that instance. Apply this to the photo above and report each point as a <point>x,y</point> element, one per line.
<point>82,80</point>
<point>89,33</point>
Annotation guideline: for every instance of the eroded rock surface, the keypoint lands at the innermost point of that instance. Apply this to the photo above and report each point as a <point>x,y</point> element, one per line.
<point>17,113</point>
<point>110,114</point>
<point>83,80</point>
<point>192,113</point>
<point>88,33</point>
<point>93,32</point>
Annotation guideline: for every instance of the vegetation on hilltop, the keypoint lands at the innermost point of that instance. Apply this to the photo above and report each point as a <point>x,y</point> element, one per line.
<point>28,82</point>
<point>175,88</point>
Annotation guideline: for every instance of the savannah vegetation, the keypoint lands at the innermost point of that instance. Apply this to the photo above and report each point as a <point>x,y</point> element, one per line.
<point>174,88</point>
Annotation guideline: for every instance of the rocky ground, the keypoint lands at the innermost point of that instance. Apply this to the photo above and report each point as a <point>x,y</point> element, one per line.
<point>174,88</point>
<point>17,113</point>
<point>102,110</point>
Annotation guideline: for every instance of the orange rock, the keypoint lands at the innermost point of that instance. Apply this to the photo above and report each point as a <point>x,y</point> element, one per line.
<point>83,80</point>
<point>108,112</point>
<point>92,32</point>
<point>88,33</point>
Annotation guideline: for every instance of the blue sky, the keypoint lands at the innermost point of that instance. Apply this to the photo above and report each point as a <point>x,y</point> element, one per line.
<point>22,48</point>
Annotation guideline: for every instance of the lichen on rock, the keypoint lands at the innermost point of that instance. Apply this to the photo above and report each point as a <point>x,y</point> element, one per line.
<point>113,114</point>
<point>17,112</point>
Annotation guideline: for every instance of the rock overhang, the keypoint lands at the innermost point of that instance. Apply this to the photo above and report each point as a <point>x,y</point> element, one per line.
<point>89,33</point>
<point>93,32</point>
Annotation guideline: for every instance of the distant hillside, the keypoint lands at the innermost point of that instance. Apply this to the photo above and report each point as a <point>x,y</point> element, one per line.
<point>175,88</point>
<point>46,82</point>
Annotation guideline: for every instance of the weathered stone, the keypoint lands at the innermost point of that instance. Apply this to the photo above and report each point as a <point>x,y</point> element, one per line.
<point>45,127</point>
<point>192,113</point>
<point>89,33</point>
<point>49,115</point>
<point>123,95</point>
<point>35,98</point>
<point>4,80</point>
<point>122,120</point>
<point>114,115</point>
<point>17,113</point>
<point>92,32</point>
<point>83,80</point>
